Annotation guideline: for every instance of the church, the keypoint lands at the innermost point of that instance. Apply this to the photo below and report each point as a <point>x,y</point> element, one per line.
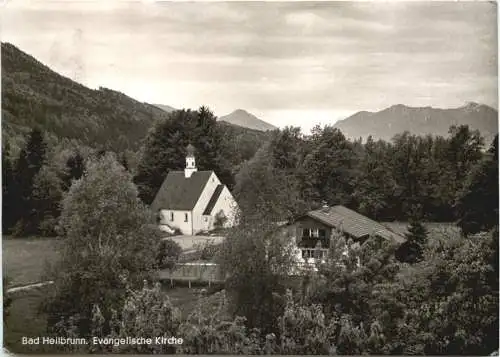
<point>193,201</point>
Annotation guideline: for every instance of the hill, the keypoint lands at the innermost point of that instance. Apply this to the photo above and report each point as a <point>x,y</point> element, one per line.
<point>420,121</point>
<point>244,119</point>
<point>35,95</point>
<point>166,108</point>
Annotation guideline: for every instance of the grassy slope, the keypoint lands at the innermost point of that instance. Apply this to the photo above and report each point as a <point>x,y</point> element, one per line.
<point>24,320</point>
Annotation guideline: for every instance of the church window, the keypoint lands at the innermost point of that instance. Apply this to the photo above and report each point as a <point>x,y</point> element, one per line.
<point>171,216</point>
<point>185,217</point>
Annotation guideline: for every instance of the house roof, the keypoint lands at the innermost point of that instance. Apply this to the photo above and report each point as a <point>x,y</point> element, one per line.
<point>353,223</point>
<point>180,193</point>
<point>213,200</point>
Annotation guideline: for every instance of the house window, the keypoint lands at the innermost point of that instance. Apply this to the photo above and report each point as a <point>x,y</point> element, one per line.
<point>185,217</point>
<point>171,216</point>
<point>206,219</point>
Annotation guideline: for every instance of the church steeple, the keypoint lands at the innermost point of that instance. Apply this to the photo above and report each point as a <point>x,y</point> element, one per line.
<point>190,162</point>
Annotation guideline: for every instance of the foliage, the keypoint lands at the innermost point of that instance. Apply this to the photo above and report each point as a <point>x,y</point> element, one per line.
<point>108,244</point>
<point>165,149</point>
<point>257,261</point>
<point>145,313</point>
<point>330,167</point>
<point>416,239</point>
<point>306,330</point>
<point>168,254</point>
<point>47,196</point>
<point>31,159</point>
<point>476,203</point>
<point>271,183</point>
<point>220,220</point>
<point>8,190</point>
<point>7,299</point>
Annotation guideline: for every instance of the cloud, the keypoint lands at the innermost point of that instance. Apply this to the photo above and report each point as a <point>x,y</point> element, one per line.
<point>270,57</point>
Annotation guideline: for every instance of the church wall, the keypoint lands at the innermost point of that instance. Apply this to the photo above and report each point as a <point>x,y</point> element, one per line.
<point>199,223</point>
<point>228,205</point>
<point>179,220</point>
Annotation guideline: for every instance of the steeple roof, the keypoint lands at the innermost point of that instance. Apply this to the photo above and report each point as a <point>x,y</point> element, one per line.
<point>190,150</point>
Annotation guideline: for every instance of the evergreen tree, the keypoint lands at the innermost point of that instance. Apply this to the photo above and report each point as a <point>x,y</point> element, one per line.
<point>75,167</point>
<point>8,191</point>
<point>165,150</point>
<point>31,159</point>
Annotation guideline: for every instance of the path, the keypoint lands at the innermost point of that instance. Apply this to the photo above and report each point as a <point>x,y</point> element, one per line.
<point>28,287</point>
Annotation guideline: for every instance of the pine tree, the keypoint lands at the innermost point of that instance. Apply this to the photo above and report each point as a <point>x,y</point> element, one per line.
<point>29,163</point>
<point>416,239</point>
<point>75,168</point>
<point>8,190</point>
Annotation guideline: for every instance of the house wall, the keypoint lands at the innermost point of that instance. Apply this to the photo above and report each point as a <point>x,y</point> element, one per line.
<point>179,220</point>
<point>199,223</point>
<point>308,223</point>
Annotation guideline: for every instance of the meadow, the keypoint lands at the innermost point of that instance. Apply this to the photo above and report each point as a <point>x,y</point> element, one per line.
<point>24,259</point>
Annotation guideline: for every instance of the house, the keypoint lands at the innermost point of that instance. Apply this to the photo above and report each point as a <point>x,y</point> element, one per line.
<point>313,232</point>
<point>193,201</point>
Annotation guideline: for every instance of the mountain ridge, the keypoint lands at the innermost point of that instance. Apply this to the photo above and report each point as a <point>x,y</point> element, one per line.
<point>386,123</point>
<point>241,117</point>
<point>34,95</point>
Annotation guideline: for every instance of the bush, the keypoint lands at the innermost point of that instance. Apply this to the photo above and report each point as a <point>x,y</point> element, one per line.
<point>168,254</point>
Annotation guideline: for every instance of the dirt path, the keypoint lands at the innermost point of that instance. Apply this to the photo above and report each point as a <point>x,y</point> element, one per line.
<point>28,287</point>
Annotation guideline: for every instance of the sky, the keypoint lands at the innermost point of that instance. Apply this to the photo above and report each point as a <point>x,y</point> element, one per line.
<point>289,63</point>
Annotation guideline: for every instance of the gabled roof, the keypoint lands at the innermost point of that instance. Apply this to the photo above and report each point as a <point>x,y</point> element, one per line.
<point>180,193</point>
<point>353,223</point>
<point>213,200</point>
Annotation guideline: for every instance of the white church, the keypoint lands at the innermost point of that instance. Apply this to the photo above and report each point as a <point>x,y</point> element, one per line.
<point>194,201</point>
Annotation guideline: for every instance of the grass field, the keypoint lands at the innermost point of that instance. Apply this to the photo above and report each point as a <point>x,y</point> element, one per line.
<point>24,259</point>
<point>25,320</point>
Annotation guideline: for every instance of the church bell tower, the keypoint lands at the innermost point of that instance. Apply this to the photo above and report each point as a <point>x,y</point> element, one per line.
<point>190,162</point>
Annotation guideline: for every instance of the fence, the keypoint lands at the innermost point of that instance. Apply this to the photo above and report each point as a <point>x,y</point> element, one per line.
<point>200,272</point>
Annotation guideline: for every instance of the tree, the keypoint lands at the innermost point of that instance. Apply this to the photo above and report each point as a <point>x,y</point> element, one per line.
<point>165,149</point>
<point>75,167</point>
<point>330,167</point>
<point>416,239</point>
<point>257,260</point>
<point>168,254</point>
<point>375,187</point>
<point>477,203</point>
<point>8,191</point>
<point>271,184</point>
<point>108,244</point>
<point>47,197</point>
<point>31,159</point>
<point>146,313</point>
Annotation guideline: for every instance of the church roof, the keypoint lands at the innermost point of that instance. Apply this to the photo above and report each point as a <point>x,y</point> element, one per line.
<point>180,193</point>
<point>213,200</point>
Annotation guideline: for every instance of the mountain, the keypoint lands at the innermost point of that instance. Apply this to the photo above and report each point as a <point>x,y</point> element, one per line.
<point>420,121</point>
<point>166,108</point>
<point>244,119</point>
<point>34,95</point>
